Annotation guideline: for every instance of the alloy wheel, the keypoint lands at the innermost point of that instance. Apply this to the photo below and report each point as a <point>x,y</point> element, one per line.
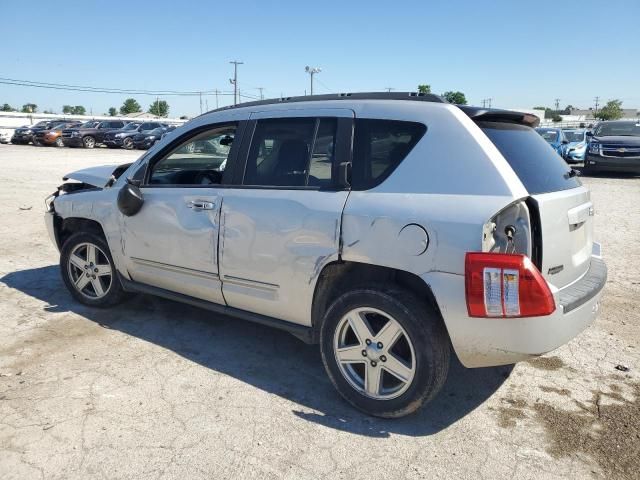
<point>90,271</point>
<point>374,353</point>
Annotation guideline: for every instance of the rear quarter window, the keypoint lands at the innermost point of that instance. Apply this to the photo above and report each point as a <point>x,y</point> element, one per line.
<point>539,167</point>
<point>379,146</point>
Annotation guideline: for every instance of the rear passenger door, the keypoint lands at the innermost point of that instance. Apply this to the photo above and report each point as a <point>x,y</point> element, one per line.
<point>280,222</point>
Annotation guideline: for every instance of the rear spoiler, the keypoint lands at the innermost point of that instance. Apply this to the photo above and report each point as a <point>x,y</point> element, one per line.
<point>498,115</point>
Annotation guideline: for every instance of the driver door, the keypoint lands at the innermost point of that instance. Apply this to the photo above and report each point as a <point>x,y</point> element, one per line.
<point>172,242</point>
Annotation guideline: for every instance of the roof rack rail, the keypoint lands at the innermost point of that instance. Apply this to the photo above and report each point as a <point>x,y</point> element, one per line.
<point>416,96</point>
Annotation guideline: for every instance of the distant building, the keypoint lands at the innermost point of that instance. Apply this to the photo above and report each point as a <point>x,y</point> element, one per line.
<point>633,113</point>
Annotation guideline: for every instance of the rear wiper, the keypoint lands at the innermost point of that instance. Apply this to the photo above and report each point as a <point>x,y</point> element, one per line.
<point>571,173</point>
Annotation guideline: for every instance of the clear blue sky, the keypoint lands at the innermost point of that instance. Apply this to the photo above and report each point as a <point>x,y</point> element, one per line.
<point>519,53</point>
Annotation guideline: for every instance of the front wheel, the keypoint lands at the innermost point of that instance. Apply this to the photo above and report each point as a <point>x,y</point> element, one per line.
<point>88,270</point>
<point>59,142</point>
<point>88,141</point>
<point>127,143</point>
<point>386,352</point>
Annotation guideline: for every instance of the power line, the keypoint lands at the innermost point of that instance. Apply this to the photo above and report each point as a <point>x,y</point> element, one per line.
<point>120,91</point>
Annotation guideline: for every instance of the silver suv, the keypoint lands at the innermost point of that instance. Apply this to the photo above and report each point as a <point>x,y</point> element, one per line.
<point>388,228</point>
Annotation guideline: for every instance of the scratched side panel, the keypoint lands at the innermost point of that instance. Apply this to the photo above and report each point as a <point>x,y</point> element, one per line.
<point>274,245</point>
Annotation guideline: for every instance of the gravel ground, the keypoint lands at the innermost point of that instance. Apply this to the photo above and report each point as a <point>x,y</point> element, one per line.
<point>155,389</point>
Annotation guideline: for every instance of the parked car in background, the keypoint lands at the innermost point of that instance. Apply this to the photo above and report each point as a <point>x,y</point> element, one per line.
<point>24,135</point>
<point>576,149</point>
<point>554,137</point>
<point>53,136</point>
<point>350,223</point>
<point>5,135</point>
<point>147,139</point>
<point>614,146</point>
<point>123,138</point>
<point>88,135</point>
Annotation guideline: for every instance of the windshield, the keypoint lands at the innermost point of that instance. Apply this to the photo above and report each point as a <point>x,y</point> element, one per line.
<point>574,135</point>
<point>41,125</point>
<point>131,126</point>
<point>550,136</point>
<point>88,124</point>
<point>539,167</point>
<point>611,129</point>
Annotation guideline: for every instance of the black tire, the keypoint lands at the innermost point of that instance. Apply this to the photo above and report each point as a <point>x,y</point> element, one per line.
<point>88,141</point>
<point>114,293</point>
<point>59,142</point>
<point>127,143</point>
<point>426,331</point>
<point>35,142</point>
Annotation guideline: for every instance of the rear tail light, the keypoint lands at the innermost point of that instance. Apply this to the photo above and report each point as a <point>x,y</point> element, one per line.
<point>505,285</point>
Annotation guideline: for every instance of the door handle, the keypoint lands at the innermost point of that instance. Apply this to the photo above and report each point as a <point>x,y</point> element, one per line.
<point>198,205</point>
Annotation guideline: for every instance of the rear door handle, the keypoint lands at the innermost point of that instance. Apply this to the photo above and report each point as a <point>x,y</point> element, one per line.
<point>198,205</point>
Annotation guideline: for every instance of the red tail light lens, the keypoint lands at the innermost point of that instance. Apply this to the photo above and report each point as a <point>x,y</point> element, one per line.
<point>505,285</point>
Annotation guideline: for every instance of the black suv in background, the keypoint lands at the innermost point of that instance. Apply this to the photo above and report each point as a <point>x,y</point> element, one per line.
<point>124,137</point>
<point>24,135</point>
<point>146,140</point>
<point>614,146</point>
<point>88,136</point>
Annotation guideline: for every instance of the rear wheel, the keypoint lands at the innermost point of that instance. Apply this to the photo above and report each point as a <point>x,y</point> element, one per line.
<point>127,143</point>
<point>35,142</point>
<point>88,141</point>
<point>88,270</point>
<point>386,352</point>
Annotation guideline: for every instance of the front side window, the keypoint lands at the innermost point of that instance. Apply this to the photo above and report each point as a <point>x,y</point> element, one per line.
<point>291,152</point>
<point>200,160</point>
<point>378,148</point>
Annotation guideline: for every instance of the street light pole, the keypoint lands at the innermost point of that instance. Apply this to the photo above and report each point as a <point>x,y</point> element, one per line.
<point>312,71</point>
<point>234,81</point>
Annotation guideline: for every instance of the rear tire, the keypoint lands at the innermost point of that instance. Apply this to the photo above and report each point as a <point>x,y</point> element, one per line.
<point>391,380</point>
<point>88,270</point>
<point>127,143</point>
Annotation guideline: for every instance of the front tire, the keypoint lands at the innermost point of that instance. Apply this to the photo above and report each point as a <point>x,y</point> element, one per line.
<point>88,270</point>
<point>89,141</point>
<point>386,352</point>
<point>127,143</point>
<point>59,142</point>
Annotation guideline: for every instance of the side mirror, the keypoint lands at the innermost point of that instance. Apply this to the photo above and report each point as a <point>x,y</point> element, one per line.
<point>130,199</point>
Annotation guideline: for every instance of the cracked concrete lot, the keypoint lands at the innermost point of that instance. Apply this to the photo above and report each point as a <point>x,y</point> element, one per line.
<point>155,389</point>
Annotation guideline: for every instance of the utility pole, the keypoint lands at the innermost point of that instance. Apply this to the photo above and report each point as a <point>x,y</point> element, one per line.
<point>261,95</point>
<point>557,100</point>
<point>200,103</point>
<point>597,99</point>
<point>234,81</point>
<point>484,102</point>
<point>388,89</point>
<point>157,106</point>
<point>312,71</point>
<point>216,98</point>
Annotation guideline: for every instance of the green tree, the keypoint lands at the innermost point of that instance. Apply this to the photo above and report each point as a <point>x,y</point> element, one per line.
<point>159,108</point>
<point>29,108</point>
<point>67,109</point>
<point>7,108</point>
<point>79,110</point>
<point>611,111</point>
<point>456,98</point>
<point>539,108</point>
<point>556,118</point>
<point>130,106</point>
<point>424,88</point>
<point>113,112</point>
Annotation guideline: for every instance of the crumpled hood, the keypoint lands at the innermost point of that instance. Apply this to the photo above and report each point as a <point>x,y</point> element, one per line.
<point>96,176</point>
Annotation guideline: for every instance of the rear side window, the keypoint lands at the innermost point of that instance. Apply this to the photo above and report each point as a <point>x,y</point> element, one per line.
<point>291,152</point>
<point>538,166</point>
<point>378,148</point>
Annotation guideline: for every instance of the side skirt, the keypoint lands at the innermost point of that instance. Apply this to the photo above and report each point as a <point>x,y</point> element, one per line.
<point>300,331</point>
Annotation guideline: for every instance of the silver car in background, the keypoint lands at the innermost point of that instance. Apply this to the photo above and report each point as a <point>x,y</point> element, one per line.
<point>389,228</point>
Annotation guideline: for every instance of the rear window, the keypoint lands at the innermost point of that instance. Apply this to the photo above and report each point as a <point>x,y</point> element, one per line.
<point>378,148</point>
<point>538,166</point>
